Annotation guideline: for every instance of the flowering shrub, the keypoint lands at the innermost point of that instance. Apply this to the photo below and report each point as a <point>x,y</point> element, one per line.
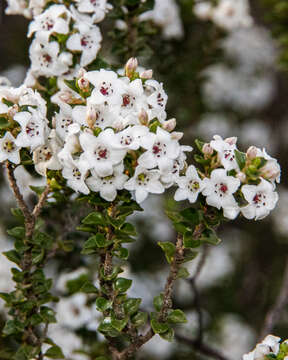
<point>100,138</point>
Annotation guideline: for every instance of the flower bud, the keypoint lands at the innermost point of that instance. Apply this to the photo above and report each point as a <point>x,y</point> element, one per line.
<point>81,72</point>
<point>241,176</point>
<point>147,74</point>
<point>54,122</point>
<point>131,67</point>
<point>231,140</point>
<point>251,153</point>
<point>118,125</point>
<point>169,125</point>
<point>143,117</point>
<point>207,149</point>
<point>91,116</point>
<point>83,84</point>
<point>13,110</point>
<point>271,170</point>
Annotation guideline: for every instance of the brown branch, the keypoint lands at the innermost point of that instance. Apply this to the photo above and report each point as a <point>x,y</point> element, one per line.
<point>275,312</point>
<point>41,202</point>
<point>200,347</point>
<point>167,303</point>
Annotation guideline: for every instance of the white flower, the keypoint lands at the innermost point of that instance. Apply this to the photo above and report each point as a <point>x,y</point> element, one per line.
<point>190,185</point>
<point>8,149</point>
<point>75,172</point>
<point>157,99</point>
<point>100,153</point>
<point>33,129</point>
<point>226,152</point>
<point>98,8</point>
<point>261,198</point>
<point>231,14</point>
<point>47,60</point>
<point>46,156</point>
<point>270,345</point>
<point>73,311</point>
<point>203,10</point>
<point>4,82</point>
<point>108,186</point>
<point>55,19</point>
<point>162,149</point>
<point>107,87</point>
<point>63,120</point>
<point>219,190</point>
<point>88,42</point>
<point>271,170</point>
<point>132,137</point>
<point>144,182</point>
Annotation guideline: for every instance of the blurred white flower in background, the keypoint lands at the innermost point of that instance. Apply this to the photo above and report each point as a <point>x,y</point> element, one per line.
<point>15,74</point>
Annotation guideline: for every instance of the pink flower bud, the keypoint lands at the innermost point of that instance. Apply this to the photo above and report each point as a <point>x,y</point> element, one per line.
<point>81,72</point>
<point>83,84</point>
<point>131,67</point>
<point>231,140</point>
<point>143,117</point>
<point>147,74</point>
<point>91,117</point>
<point>13,110</point>
<point>169,125</point>
<point>241,176</point>
<point>207,149</point>
<point>251,153</point>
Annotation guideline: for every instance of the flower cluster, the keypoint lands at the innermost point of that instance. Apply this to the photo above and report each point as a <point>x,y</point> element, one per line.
<point>232,181</point>
<point>271,347</point>
<point>227,14</point>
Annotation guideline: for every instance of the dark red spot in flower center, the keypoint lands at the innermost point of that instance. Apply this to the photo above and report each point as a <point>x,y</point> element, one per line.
<point>47,58</point>
<point>102,153</point>
<point>223,188</point>
<point>126,100</point>
<point>104,91</point>
<point>257,198</point>
<point>156,149</point>
<point>84,42</point>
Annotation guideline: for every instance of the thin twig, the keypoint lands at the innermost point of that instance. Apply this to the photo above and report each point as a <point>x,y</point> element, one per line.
<point>167,303</point>
<point>200,347</point>
<point>275,312</point>
<point>38,207</point>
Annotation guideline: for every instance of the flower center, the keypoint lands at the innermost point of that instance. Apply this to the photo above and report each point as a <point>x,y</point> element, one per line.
<point>102,153</point>
<point>106,89</point>
<point>193,185</point>
<point>259,200</point>
<point>142,179</point>
<point>32,129</point>
<point>9,146</point>
<point>159,149</point>
<point>160,100</point>
<point>86,41</point>
<point>126,140</point>
<point>221,189</point>
<point>229,155</point>
<point>76,173</point>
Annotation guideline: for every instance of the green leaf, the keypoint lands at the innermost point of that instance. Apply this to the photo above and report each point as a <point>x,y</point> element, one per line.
<point>190,255</point>
<point>189,241</point>
<point>103,304</point>
<point>131,306</point>
<point>4,123</point>
<point>38,189</point>
<point>191,215</point>
<point>54,352</point>
<point>158,302</point>
<point>183,273</point>
<point>240,158</point>
<point>47,314</point>
<point>181,227</point>
<point>177,316</point>
<point>128,229</point>
<point>122,253</point>
<point>72,85</point>
<point>119,324</point>
<point>37,256</point>
<point>88,288</point>
<point>199,144</point>
<point>13,327</point>
<point>26,352</point>
<point>159,328</point>
<point>169,250</point>
<point>122,284</point>
<point>18,214</point>
<point>13,256</point>
<point>210,236</point>
<point>94,218</point>
<point>139,319</point>
<point>168,335</point>
<point>17,232</point>
<point>106,328</point>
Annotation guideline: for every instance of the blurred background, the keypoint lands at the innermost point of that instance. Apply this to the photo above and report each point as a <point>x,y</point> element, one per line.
<point>230,83</point>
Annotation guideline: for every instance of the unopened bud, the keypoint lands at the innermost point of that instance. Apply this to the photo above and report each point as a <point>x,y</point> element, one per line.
<point>251,153</point>
<point>143,117</point>
<point>176,135</point>
<point>131,67</point>
<point>54,122</point>
<point>231,140</point>
<point>118,125</point>
<point>271,170</point>
<point>207,149</point>
<point>81,72</point>
<point>169,125</point>
<point>241,176</point>
<point>66,96</point>
<point>147,74</point>
<point>83,84</point>
<point>91,116</point>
